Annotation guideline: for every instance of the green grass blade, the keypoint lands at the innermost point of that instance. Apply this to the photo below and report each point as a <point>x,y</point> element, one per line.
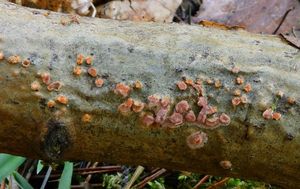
<point>39,167</point>
<point>22,182</point>
<point>66,176</point>
<point>9,163</point>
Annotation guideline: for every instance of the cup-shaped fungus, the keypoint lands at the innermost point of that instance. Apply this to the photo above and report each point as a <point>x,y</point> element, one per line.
<point>92,71</point>
<point>176,118</point>
<point>182,107</point>
<point>224,119</point>
<point>56,86</point>
<point>99,82</point>
<point>137,106</point>
<point>14,59</point>
<point>196,140</point>
<point>122,89</point>
<point>181,85</point>
<point>161,115</point>
<point>190,116</point>
<point>148,119</point>
<point>268,113</point>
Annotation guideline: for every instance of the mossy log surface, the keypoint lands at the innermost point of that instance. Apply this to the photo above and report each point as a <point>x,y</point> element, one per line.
<point>159,56</point>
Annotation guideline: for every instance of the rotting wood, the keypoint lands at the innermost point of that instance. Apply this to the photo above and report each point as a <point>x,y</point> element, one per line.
<point>81,121</point>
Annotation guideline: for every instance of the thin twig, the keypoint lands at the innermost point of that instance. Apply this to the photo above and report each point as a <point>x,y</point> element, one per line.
<point>219,184</point>
<point>139,170</point>
<point>88,178</point>
<point>149,178</point>
<point>201,181</point>
<point>46,178</point>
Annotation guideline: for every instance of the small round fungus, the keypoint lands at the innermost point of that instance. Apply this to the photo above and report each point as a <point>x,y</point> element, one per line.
<point>35,86</point>
<point>46,78</point>
<point>218,84</point>
<point>268,113</point>
<point>212,123</point>
<point>225,164</point>
<point>189,82</point>
<point>198,88</point>
<point>190,116</point>
<point>122,89</point>
<point>125,107</point>
<point>14,59</point>
<point>279,94</point>
<point>148,119</point>
<point>154,100</point>
<point>239,80</point>
<point>165,101</point>
<point>89,60</point>
<point>26,63</point>
<point>196,140</point>
<point>79,59</point>
<point>202,115</point>
<point>62,99</point>
<point>176,118</point>
<point>237,92</point>
<point>138,84</point>
<point>51,103</point>
<point>291,100</point>
<point>248,88</point>
<point>137,106</point>
<point>182,107</point>
<point>92,71</point>
<point>77,70</point>
<point>181,85</point>
<point>236,101</point>
<point>161,115</point>
<point>86,118</point>
<point>1,55</point>
<point>209,81</point>
<point>99,82</point>
<point>56,86</point>
<point>276,116</point>
<point>224,119</point>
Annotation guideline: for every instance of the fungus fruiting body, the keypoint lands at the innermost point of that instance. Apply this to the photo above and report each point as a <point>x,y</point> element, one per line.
<point>79,59</point>
<point>62,99</point>
<point>196,140</point>
<point>138,84</point>
<point>46,78</point>
<point>268,113</point>
<point>125,107</point>
<point>182,107</point>
<point>56,86</point>
<point>14,59</point>
<point>235,70</point>
<point>237,92</point>
<point>154,100</point>
<point>176,118</point>
<point>202,102</point>
<point>236,101</point>
<point>279,94</point>
<point>92,71</point>
<point>248,87</point>
<point>189,82</point>
<point>291,100</point>
<point>35,86</point>
<point>218,84</point>
<point>148,119</point>
<point>212,123</point>
<point>77,70</point>
<point>122,89</point>
<point>89,60</point>
<point>99,82</point>
<point>165,101</point>
<point>190,116</point>
<point>212,110</point>
<point>161,115</point>
<point>276,116</point>
<point>51,103</point>
<point>26,63</point>
<point>86,118</point>
<point>239,80</point>
<point>137,106</point>
<point>181,85</point>
<point>224,119</point>
<point>225,164</point>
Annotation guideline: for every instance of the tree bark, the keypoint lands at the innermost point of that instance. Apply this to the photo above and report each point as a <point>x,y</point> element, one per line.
<point>90,127</point>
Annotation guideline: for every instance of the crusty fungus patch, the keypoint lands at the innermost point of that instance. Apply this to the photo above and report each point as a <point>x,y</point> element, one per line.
<point>15,59</point>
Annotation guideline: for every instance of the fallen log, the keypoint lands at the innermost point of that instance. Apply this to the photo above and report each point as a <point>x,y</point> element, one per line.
<point>125,92</point>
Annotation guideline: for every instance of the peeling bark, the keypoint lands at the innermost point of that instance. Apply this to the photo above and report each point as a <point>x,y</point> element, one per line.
<point>81,121</point>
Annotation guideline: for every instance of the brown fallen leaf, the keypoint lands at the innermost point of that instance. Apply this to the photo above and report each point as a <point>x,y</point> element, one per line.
<point>291,40</point>
<point>211,24</point>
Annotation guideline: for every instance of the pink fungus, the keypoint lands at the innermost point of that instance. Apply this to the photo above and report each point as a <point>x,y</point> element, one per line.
<point>161,115</point>
<point>176,118</point>
<point>182,107</point>
<point>190,116</point>
<point>268,113</point>
<point>137,106</point>
<point>198,88</point>
<point>202,102</point>
<point>224,119</point>
<point>202,115</point>
<point>154,100</point>
<point>125,107</point>
<point>46,78</point>
<point>148,119</point>
<point>225,164</point>
<point>54,86</point>
<point>196,140</point>
<point>181,85</point>
<point>212,110</point>
<point>122,89</point>
<point>211,123</point>
<point>165,101</point>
